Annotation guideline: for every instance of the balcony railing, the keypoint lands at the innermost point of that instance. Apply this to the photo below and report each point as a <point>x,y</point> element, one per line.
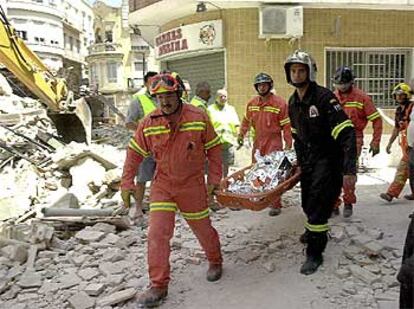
<point>140,48</point>
<point>105,48</point>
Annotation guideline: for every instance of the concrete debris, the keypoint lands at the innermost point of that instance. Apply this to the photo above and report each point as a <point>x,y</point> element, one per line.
<point>74,153</point>
<point>94,289</point>
<point>69,280</point>
<point>5,89</point>
<point>67,200</point>
<point>117,297</point>
<point>30,279</point>
<point>81,300</point>
<point>89,235</point>
<point>16,253</point>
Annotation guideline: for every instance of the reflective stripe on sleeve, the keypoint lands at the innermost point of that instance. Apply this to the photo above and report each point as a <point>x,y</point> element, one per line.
<point>214,142</point>
<point>135,147</point>
<point>284,121</point>
<point>338,128</point>
<point>374,116</point>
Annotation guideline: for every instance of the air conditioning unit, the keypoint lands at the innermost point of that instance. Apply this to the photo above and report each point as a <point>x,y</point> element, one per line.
<point>280,22</point>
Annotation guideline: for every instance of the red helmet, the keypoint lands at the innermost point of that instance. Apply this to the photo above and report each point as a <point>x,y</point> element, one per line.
<point>164,82</point>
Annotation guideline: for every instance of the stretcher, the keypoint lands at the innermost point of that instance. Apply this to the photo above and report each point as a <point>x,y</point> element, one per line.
<point>253,201</point>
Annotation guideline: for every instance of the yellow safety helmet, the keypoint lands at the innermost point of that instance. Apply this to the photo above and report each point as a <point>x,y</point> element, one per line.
<point>402,88</point>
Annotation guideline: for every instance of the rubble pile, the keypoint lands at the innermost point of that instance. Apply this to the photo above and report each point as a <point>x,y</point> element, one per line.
<point>265,174</point>
<point>367,268</point>
<point>111,134</point>
<point>99,266</point>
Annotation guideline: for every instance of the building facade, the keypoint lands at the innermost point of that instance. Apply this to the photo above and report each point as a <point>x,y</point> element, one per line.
<point>228,42</point>
<point>39,24</point>
<point>118,59</point>
<point>58,31</point>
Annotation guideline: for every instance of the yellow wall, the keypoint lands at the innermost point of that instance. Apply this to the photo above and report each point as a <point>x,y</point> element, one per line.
<point>248,55</point>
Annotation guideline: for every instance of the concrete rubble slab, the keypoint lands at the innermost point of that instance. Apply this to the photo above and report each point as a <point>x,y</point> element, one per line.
<point>88,273</point>
<point>94,289</point>
<point>373,248</point>
<point>363,275</point>
<point>88,235</point>
<point>69,280</point>
<point>66,200</point>
<point>117,297</point>
<point>16,253</point>
<point>30,279</point>
<point>81,300</point>
<point>75,152</point>
<point>49,287</point>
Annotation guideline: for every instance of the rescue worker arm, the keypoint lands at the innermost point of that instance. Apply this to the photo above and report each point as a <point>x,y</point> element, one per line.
<point>394,135</point>
<point>373,115</point>
<point>134,113</point>
<point>297,143</point>
<point>285,124</point>
<point>235,121</point>
<point>136,152</point>
<point>342,130</point>
<point>245,125</point>
<point>212,146</point>
<point>298,146</point>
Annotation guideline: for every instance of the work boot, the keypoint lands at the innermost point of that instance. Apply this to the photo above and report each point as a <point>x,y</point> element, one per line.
<point>311,264</point>
<point>316,245</point>
<point>409,197</point>
<point>152,297</point>
<point>214,272</point>
<point>275,212</point>
<point>386,196</point>
<point>304,237</point>
<point>347,210</point>
<point>335,212</point>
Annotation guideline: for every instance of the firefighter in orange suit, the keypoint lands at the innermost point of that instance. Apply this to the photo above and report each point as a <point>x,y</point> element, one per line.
<point>402,95</point>
<point>180,137</point>
<point>267,114</point>
<point>360,109</point>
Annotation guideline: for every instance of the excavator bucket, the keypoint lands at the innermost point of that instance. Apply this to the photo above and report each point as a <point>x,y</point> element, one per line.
<point>74,126</point>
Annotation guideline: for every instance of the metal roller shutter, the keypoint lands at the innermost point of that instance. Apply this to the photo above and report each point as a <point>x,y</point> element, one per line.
<point>208,68</point>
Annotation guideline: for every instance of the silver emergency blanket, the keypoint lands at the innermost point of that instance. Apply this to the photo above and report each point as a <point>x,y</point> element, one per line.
<point>266,173</point>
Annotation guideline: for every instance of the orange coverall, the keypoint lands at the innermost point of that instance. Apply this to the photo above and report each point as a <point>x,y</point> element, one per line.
<point>180,150</point>
<point>402,118</point>
<point>360,109</point>
<point>268,117</point>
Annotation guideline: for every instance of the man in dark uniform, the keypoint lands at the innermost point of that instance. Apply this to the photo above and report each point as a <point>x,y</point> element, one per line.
<point>324,141</point>
<point>406,273</point>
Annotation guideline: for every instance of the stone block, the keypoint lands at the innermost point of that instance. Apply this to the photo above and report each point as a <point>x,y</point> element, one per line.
<point>81,300</point>
<point>88,235</point>
<point>16,253</point>
<point>88,273</point>
<point>363,274</point>
<point>94,289</point>
<point>30,279</point>
<point>117,297</point>
<point>69,280</point>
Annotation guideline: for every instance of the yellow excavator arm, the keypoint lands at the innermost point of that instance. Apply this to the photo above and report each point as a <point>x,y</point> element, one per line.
<point>34,74</point>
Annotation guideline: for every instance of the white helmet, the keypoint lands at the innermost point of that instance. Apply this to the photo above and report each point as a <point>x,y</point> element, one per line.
<point>302,58</point>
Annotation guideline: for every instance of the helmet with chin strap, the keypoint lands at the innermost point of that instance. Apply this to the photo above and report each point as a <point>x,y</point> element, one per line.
<point>304,58</point>
<point>263,78</point>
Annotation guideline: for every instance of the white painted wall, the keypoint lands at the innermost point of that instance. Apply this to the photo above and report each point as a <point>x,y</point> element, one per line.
<point>43,27</point>
<point>79,14</point>
<point>43,24</point>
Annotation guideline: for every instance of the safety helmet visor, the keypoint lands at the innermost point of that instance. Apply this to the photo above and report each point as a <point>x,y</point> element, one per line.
<point>163,83</point>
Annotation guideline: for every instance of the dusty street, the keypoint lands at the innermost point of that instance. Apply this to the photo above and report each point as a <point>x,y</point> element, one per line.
<point>100,267</point>
<point>271,278</point>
